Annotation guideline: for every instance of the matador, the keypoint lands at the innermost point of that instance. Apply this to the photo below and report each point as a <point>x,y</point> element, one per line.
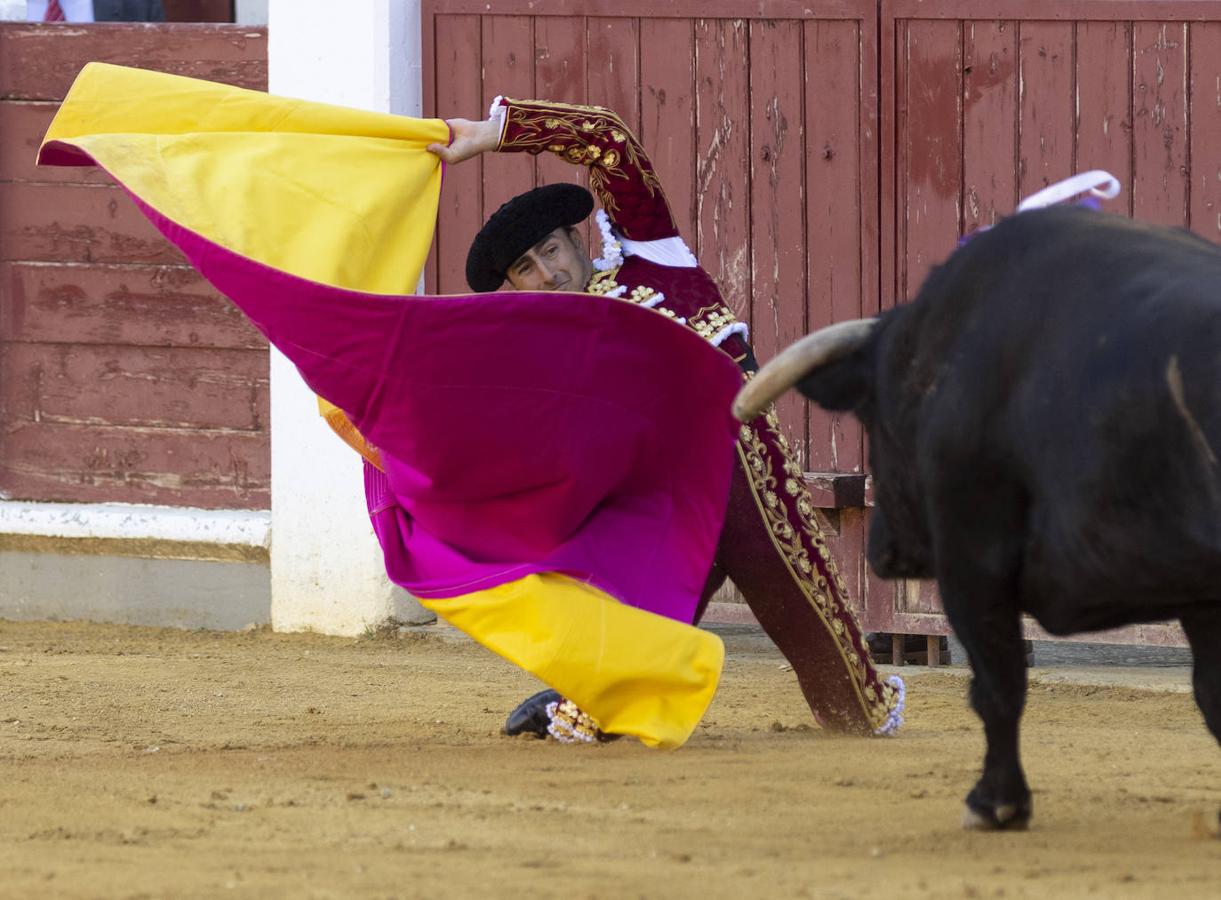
<point>771,546</point>
<point>583,555</point>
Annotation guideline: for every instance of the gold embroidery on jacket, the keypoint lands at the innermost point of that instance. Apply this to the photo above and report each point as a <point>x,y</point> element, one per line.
<point>606,284</point>
<point>571,136</point>
<point>710,320</point>
<point>603,282</point>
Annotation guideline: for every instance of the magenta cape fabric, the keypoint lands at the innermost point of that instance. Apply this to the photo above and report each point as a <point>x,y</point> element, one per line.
<point>520,433</point>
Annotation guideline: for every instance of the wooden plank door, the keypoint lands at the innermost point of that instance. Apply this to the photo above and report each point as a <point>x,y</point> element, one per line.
<point>984,103</point>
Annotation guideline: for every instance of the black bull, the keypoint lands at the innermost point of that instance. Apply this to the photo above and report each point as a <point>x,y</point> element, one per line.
<point>1044,425</point>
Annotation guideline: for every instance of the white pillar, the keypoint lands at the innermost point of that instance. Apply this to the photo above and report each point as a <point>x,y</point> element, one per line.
<point>327,572</point>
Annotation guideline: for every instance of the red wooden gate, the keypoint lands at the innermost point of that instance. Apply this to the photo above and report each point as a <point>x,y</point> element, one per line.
<point>981,111</point>
<point>977,113</point>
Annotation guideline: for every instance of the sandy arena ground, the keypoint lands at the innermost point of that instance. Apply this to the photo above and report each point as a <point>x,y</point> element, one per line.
<point>141,762</point>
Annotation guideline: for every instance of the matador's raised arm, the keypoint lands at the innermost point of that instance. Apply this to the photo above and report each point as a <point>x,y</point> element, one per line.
<point>620,172</point>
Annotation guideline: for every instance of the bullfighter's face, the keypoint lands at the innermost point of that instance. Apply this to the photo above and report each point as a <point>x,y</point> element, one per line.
<point>559,262</point>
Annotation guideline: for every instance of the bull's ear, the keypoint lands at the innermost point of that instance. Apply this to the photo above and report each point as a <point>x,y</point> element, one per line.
<point>841,386</point>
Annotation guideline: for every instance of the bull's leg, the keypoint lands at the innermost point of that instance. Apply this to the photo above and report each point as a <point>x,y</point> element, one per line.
<point>992,637</point>
<point>1204,633</point>
<point>978,570</point>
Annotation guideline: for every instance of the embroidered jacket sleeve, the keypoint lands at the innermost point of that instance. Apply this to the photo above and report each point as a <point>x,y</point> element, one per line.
<point>620,172</point>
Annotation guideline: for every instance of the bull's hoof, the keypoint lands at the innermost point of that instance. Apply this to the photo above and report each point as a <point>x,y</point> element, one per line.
<point>1004,817</point>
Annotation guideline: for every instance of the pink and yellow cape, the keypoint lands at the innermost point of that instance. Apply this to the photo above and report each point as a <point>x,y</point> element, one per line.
<point>548,472</point>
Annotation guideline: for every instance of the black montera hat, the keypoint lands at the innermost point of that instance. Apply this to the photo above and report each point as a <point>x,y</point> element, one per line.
<point>520,224</point>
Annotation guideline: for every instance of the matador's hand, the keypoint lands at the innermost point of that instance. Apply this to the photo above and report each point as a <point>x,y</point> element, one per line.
<point>470,139</point>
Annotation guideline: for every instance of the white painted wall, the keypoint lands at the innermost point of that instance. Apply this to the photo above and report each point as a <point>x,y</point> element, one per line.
<point>327,571</point>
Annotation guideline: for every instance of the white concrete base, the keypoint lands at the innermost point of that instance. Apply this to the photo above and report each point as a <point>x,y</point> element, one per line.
<point>172,566</point>
<point>174,593</point>
<point>135,564</point>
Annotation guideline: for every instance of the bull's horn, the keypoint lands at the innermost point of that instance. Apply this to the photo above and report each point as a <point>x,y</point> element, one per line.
<point>796,361</point>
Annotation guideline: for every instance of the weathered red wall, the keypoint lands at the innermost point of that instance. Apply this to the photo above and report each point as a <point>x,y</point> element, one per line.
<point>123,375</point>
<point>819,156</point>
<point>987,102</point>
<point>979,112</point>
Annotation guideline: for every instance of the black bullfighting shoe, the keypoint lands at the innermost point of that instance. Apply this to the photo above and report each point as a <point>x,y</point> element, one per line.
<point>531,716</point>
<point>547,714</point>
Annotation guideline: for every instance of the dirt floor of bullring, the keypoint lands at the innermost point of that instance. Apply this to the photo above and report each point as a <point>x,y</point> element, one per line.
<point>138,762</point>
